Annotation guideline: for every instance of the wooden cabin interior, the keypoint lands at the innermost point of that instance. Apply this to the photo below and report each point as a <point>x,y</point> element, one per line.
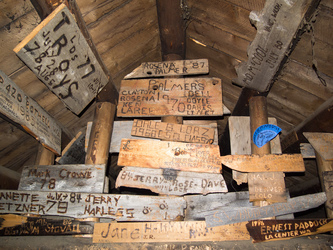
<point>123,34</point>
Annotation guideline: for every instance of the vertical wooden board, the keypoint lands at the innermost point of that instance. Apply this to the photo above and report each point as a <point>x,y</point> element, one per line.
<point>170,96</point>
<point>322,143</point>
<point>174,231</point>
<point>171,182</point>
<point>58,54</point>
<point>25,111</point>
<point>172,132</point>
<point>71,178</point>
<point>173,155</point>
<point>90,205</point>
<point>328,185</point>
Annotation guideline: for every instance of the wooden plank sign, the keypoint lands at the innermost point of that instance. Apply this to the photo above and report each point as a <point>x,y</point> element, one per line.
<point>72,178</point>
<point>277,25</point>
<point>171,182</point>
<point>322,143</point>
<point>170,96</point>
<point>174,155</point>
<point>267,230</point>
<point>88,205</point>
<point>226,216</point>
<point>265,163</point>
<point>174,231</point>
<point>16,225</point>
<point>172,132</point>
<point>20,108</point>
<point>57,52</point>
<point>170,68</point>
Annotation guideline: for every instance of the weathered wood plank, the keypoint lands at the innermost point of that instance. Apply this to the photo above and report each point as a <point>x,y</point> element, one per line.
<point>172,132</point>
<point>174,155</point>
<point>277,24</point>
<point>266,230</point>
<point>174,231</point>
<point>171,182</point>
<point>307,150</point>
<point>54,49</point>
<point>70,178</point>
<point>265,163</point>
<point>322,143</point>
<point>88,205</point>
<point>170,68</point>
<point>16,225</point>
<point>328,181</point>
<point>25,111</point>
<point>74,152</point>
<point>232,215</point>
<point>172,96</point>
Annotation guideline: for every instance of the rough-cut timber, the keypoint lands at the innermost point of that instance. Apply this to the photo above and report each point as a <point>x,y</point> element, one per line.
<point>170,68</point>
<point>88,205</point>
<point>328,181</point>
<point>171,182</point>
<point>172,96</point>
<point>20,108</point>
<point>172,155</point>
<point>74,178</point>
<point>174,231</point>
<point>172,132</point>
<point>277,25</point>
<point>322,143</point>
<point>265,163</point>
<point>57,52</point>
<point>235,215</point>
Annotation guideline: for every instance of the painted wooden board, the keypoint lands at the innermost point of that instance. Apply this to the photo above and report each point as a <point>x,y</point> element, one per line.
<point>170,96</point>
<point>20,108</point>
<point>16,225</point>
<point>277,24</point>
<point>170,68</point>
<point>265,163</point>
<point>88,205</point>
<point>74,152</point>
<point>174,231</point>
<point>233,215</point>
<point>71,178</point>
<point>172,132</point>
<point>171,182</point>
<point>267,230</point>
<point>322,143</point>
<point>173,155</point>
<point>57,52</point>
<point>328,185</point>
<point>307,150</point>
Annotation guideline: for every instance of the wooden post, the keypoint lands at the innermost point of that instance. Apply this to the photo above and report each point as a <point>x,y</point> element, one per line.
<point>44,156</point>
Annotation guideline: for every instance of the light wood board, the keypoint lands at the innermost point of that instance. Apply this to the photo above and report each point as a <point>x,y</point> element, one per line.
<point>328,186</point>
<point>322,143</point>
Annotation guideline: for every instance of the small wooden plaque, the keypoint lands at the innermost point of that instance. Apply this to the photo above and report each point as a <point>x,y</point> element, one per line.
<point>170,96</point>
<point>174,155</point>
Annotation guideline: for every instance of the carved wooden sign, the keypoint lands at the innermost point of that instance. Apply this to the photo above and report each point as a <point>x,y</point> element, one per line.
<point>265,163</point>
<point>33,118</point>
<point>74,178</point>
<point>266,230</point>
<point>172,132</point>
<point>170,68</point>
<point>15,225</point>
<point>322,143</point>
<point>328,185</point>
<point>174,155</point>
<point>171,182</point>
<point>174,231</point>
<point>85,205</point>
<point>57,52</point>
<point>170,96</point>
<point>277,25</point>
<point>226,216</point>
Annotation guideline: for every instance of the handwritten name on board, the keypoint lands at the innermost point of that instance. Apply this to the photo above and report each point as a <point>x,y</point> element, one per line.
<point>171,182</point>
<point>57,52</point>
<point>20,108</point>
<point>174,231</point>
<point>174,155</point>
<point>226,216</point>
<point>265,163</point>
<point>172,132</point>
<point>15,225</point>
<point>266,230</point>
<point>74,178</point>
<point>170,68</point>
<point>172,96</point>
<point>87,205</point>
<point>322,143</point>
